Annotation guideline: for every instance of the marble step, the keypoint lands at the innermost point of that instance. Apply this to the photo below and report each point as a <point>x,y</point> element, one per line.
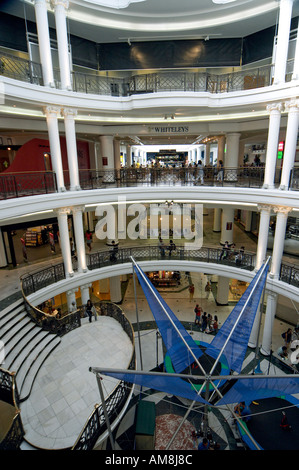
<point>16,356</point>
<point>26,376</point>
<point>11,321</point>
<point>18,330</point>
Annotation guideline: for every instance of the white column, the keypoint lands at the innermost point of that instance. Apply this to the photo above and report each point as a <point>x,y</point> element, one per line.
<point>79,238</point>
<point>115,289</point>
<point>60,7</point>
<point>116,148</point>
<point>62,217</point>
<point>280,230</point>
<point>207,154</point>
<point>290,144</point>
<point>41,16</point>
<point>71,300</point>
<point>285,15</point>
<point>272,144</point>
<point>265,213</point>
<point>72,156</point>
<point>268,325</point>
<point>232,156</point>
<point>129,156</point>
<point>107,150</point>
<point>248,221</point>
<point>221,147</point>
<point>227,225</point>
<point>85,295</point>
<point>295,75</point>
<point>222,290</point>
<point>217,220</point>
<point>52,113</point>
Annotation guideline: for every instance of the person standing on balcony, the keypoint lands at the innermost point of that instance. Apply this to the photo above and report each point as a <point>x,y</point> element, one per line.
<point>200,173</point>
<point>220,171</point>
<point>89,239</point>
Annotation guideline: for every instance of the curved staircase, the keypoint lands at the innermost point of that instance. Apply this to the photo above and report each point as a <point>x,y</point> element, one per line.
<point>26,346</point>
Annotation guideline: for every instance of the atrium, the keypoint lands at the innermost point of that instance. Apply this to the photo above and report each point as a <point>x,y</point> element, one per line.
<point>125,126</point>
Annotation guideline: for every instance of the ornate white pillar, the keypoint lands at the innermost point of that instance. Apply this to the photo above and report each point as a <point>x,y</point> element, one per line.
<point>272,144</point>
<point>222,290</point>
<point>72,156</point>
<point>232,156</point>
<point>42,26</point>
<point>221,147</point>
<point>107,151</point>
<point>51,113</point>
<point>129,156</point>
<point>265,213</point>
<point>85,295</point>
<point>115,289</point>
<point>71,300</point>
<point>290,143</point>
<point>79,237</point>
<point>284,24</point>
<point>268,324</point>
<point>217,219</point>
<point>62,217</point>
<point>60,7</point>
<point>116,148</point>
<point>207,154</point>
<point>279,237</point>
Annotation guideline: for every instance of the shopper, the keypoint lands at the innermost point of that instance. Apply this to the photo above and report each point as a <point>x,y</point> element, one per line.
<point>88,239</point>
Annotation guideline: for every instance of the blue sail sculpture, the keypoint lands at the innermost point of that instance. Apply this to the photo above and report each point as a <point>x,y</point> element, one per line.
<point>235,348</point>
<point>183,350</point>
<point>179,343</point>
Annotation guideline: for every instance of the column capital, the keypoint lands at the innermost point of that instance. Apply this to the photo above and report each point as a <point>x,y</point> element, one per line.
<point>51,111</point>
<point>66,112</point>
<point>283,210</point>
<point>63,211</point>
<point>77,209</point>
<point>292,104</point>
<point>264,207</point>
<point>64,3</point>
<point>274,107</point>
<point>271,294</point>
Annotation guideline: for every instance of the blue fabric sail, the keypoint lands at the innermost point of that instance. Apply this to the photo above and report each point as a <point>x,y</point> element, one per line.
<point>168,384</point>
<point>178,342</point>
<point>236,347</point>
<point>249,389</point>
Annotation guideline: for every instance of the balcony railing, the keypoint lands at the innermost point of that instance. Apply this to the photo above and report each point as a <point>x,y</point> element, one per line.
<point>26,184</point>
<point>92,83</point>
<point>32,282</point>
<point>14,185</point>
<point>9,394</point>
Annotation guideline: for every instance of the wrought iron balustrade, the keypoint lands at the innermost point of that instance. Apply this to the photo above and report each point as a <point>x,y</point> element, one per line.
<point>175,80</point>
<point>9,394</point>
<point>22,184</point>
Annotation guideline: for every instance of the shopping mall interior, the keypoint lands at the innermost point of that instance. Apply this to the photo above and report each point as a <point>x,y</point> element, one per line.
<point>159,134</point>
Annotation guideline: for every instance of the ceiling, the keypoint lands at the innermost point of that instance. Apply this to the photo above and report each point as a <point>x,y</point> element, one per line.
<point>146,20</point>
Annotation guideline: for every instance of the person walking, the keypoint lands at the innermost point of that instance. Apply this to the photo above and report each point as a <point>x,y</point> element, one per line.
<point>191,292</point>
<point>89,310</point>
